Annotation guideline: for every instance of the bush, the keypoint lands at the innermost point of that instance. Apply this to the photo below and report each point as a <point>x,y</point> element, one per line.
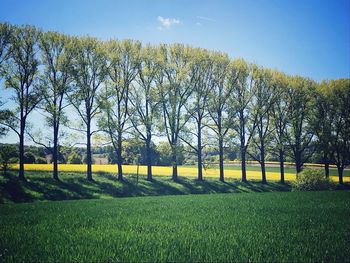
<point>74,158</point>
<point>312,180</point>
<point>7,152</point>
<point>29,157</point>
<point>40,160</point>
<point>14,160</point>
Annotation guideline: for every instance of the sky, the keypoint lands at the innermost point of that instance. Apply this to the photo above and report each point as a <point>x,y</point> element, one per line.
<point>308,38</point>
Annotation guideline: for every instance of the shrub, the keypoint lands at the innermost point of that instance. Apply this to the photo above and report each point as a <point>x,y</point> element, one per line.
<point>29,157</point>
<point>74,158</point>
<point>7,153</point>
<point>311,180</point>
<point>40,160</point>
<point>14,160</point>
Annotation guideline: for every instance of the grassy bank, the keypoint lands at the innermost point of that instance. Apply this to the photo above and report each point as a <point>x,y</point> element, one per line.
<point>40,186</point>
<point>274,169</point>
<point>284,227</point>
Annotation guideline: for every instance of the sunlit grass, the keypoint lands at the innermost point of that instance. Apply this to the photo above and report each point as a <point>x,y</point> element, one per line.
<point>255,227</point>
<point>184,171</point>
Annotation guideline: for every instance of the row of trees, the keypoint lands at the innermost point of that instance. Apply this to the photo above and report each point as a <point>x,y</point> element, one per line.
<point>191,96</point>
<point>134,152</point>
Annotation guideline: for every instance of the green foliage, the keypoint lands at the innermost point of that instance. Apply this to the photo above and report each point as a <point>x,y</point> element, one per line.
<point>165,154</point>
<point>88,70</point>
<point>40,160</point>
<point>8,155</point>
<point>312,180</point>
<point>340,115</point>
<point>166,90</point>
<point>85,159</point>
<point>75,158</point>
<point>300,115</point>
<point>6,31</point>
<point>36,151</point>
<point>134,151</point>
<point>29,157</point>
<point>256,227</point>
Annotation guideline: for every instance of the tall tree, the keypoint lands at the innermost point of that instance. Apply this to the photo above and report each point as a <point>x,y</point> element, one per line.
<point>175,87</point>
<point>20,72</point>
<point>218,104</point>
<point>300,114</point>
<point>123,65</point>
<point>322,122</point>
<point>340,109</point>
<point>264,98</point>
<point>6,31</point>
<point>243,89</point>
<point>89,71</point>
<point>201,69</point>
<point>280,117</point>
<point>6,119</point>
<point>144,101</point>
<point>56,56</point>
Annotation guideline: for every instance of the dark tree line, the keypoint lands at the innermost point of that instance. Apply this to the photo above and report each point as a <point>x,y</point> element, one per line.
<point>191,96</point>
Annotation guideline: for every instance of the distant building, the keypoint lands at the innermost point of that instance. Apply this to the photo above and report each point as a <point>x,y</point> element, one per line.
<point>48,158</point>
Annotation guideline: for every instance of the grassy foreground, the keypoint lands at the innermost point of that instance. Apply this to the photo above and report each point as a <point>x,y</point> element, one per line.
<point>40,186</point>
<point>283,227</point>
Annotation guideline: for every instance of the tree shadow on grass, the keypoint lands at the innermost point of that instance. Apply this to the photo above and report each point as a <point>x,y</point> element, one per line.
<point>163,187</point>
<point>11,188</point>
<point>40,186</point>
<point>235,186</point>
<point>195,186</point>
<point>257,186</point>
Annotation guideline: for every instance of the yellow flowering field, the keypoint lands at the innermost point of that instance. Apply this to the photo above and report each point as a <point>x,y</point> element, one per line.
<point>161,171</point>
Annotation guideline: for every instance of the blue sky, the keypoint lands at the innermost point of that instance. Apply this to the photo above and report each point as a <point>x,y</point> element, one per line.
<point>308,38</point>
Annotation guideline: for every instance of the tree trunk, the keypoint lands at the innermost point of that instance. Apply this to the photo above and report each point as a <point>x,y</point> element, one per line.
<point>340,173</point>
<point>298,163</point>
<point>243,165</point>
<point>326,169</point>
<point>243,148</point>
<point>326,164</point>
<point>174,162</point>
<point>221,159</point>
<point>120,158</point>
<point>149,160</point>
<point>55,153</point>
<point>5,165</point>
<point>21,151</point>
<point>199,153</point>
<point>281,155</point>
<point>88,151</point>
<point>262,163</point>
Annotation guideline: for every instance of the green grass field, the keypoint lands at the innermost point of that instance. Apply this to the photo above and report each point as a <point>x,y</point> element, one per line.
<point>277,226</point>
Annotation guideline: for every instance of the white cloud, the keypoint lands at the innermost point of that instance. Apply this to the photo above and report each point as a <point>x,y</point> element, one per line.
<point>198,24</point>
<point>206,18</point>
<point>167,22</point>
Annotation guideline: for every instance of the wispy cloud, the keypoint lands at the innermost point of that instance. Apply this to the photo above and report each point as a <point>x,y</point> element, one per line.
<point>198,24</point>
<point>206,18</point>
<point>167,22</point>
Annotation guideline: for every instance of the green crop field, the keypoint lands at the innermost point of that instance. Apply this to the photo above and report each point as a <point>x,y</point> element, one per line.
<point>277,226</point>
